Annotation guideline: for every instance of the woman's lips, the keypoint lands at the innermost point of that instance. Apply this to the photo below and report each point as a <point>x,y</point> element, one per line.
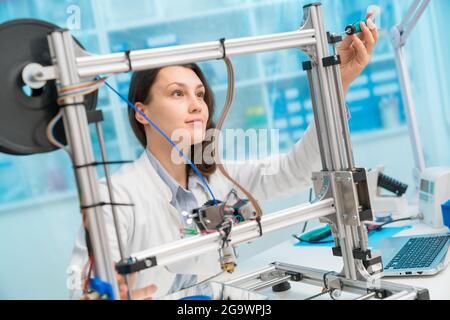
<point>195,122</point>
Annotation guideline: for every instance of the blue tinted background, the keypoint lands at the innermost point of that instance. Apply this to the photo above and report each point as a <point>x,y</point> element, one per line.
<point>38,204</point>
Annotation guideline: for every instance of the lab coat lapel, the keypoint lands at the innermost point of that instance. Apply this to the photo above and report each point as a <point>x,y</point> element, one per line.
<point>161,187</point>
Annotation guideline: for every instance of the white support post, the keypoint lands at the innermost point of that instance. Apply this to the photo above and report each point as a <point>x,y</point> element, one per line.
<point>399,36</point>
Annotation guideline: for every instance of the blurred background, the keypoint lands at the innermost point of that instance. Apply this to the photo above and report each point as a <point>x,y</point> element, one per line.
<point>39,214</point>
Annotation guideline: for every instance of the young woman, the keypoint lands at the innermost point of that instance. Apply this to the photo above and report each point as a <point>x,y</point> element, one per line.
<point>161,186</point>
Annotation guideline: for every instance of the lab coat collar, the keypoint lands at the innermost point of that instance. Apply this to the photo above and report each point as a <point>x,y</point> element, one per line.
<point>174,186</point>
<point>144,166</point>
<point>163,174</point>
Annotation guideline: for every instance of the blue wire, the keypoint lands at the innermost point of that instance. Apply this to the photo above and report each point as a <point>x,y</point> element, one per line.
<point>167,138</point>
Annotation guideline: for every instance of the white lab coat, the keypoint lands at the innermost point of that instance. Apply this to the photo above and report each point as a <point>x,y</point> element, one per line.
<point>153,221</point>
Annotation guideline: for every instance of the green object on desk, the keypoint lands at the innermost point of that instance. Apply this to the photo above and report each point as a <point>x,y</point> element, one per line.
<point>374,237</point>
<point>309,236</point>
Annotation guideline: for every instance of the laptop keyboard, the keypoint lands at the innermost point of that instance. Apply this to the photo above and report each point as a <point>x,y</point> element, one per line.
<point>418,253</point>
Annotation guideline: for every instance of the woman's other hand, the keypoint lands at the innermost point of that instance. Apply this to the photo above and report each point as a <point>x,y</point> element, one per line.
<point>356,52</point>
<point>137,294</point>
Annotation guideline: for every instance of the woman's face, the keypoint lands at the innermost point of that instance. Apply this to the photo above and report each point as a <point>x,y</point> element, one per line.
<point>177,105</point>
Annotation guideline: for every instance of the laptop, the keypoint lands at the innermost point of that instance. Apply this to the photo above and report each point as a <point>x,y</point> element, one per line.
<point>414,255</point>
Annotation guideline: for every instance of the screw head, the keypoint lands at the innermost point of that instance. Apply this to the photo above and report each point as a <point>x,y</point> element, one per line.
<point>336,293</point>
<point>148,263</point>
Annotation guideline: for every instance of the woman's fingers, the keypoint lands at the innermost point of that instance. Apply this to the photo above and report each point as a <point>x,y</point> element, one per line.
<point>373,29</point>
<point>144,293</point>
<point>370,15</point>
<point>360,50</point>
<point>356,51</point>
<point>367,37</point>
<point>121,279</point>
<point>346,44</point>
<point>123,286</point>
<point>137,294</point>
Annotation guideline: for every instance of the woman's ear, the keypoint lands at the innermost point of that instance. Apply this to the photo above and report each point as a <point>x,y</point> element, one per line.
<point>138,115</point>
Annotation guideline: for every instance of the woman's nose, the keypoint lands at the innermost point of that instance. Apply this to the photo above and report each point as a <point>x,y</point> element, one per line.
<point>194,105</point>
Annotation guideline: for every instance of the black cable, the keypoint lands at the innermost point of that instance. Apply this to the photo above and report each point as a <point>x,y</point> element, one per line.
<point>325,284</point>
<point>225,230</point>
<point>318,295</point>
<point>127,55</point>
<point>203,281</point>
<point>305,225</point>
<point>65,105</point>
<point>103,204</point>
<point>224,50</point>
<point>393,221</point>
<point>312,242</point>
<point>101,163</point>
<point>258,220</point>
<point>377,229</point>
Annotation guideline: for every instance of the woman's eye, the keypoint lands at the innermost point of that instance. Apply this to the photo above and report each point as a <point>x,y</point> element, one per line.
<point>201,94</point>
<point>177,93</point>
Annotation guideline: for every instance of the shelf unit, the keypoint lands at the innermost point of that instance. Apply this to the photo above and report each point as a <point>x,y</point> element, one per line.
<point>258,80</point>
<point>245,5</point>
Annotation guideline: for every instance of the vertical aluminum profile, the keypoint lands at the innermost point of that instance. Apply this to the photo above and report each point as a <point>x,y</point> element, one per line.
<point>78,137</point>
<point>330,112</point>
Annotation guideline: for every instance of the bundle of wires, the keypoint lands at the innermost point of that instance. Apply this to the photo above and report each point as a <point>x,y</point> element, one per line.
<point>65,93</point>
<point>223,116</point>
<point>79,90</point>
<point>51,127</point>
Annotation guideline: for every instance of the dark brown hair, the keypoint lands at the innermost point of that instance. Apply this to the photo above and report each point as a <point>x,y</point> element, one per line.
<point>140,87</point>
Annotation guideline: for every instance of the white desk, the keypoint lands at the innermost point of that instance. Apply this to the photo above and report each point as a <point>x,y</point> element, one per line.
<point>322,258</point>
